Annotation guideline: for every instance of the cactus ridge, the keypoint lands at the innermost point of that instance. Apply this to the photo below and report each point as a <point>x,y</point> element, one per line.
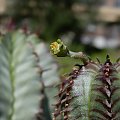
<point>68,102</point>
<point>106,87</point>
<point>62,107</point>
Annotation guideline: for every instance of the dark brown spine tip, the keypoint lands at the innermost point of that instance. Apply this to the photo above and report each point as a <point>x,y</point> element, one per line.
<point>118,60</point>
<point>108,58</point>
<point>98,60</point>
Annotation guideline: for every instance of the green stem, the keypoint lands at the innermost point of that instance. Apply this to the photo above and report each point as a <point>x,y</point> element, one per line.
<point>79,55</point>
<point>59,49</point>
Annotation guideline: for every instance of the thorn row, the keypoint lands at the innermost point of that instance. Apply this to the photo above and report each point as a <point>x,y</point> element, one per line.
<point>106,89</point>
<point>62,106</point>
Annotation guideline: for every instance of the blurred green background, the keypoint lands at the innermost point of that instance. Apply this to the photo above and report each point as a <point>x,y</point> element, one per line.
<point>92,26</point>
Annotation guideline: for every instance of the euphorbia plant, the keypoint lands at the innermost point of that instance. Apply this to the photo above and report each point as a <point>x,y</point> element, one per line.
<point>91,91</point>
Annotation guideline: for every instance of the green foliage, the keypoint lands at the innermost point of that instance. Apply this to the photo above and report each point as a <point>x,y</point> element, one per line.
<point>50,17</point>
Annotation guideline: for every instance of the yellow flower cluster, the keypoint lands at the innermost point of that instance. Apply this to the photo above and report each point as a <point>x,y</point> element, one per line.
<point>59,49</point>
<point>55,47</point>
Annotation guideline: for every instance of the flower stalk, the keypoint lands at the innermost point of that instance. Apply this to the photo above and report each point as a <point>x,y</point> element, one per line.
<point>59,49</point>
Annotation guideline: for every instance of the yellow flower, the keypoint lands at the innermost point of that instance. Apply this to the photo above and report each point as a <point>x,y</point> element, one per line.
<point>58,48</point>
<point>55,47</point>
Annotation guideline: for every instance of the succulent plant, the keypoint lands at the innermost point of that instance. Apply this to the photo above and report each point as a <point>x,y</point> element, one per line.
<point>48,65</point>
<point>24,62</point>
<point>90,92</point>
